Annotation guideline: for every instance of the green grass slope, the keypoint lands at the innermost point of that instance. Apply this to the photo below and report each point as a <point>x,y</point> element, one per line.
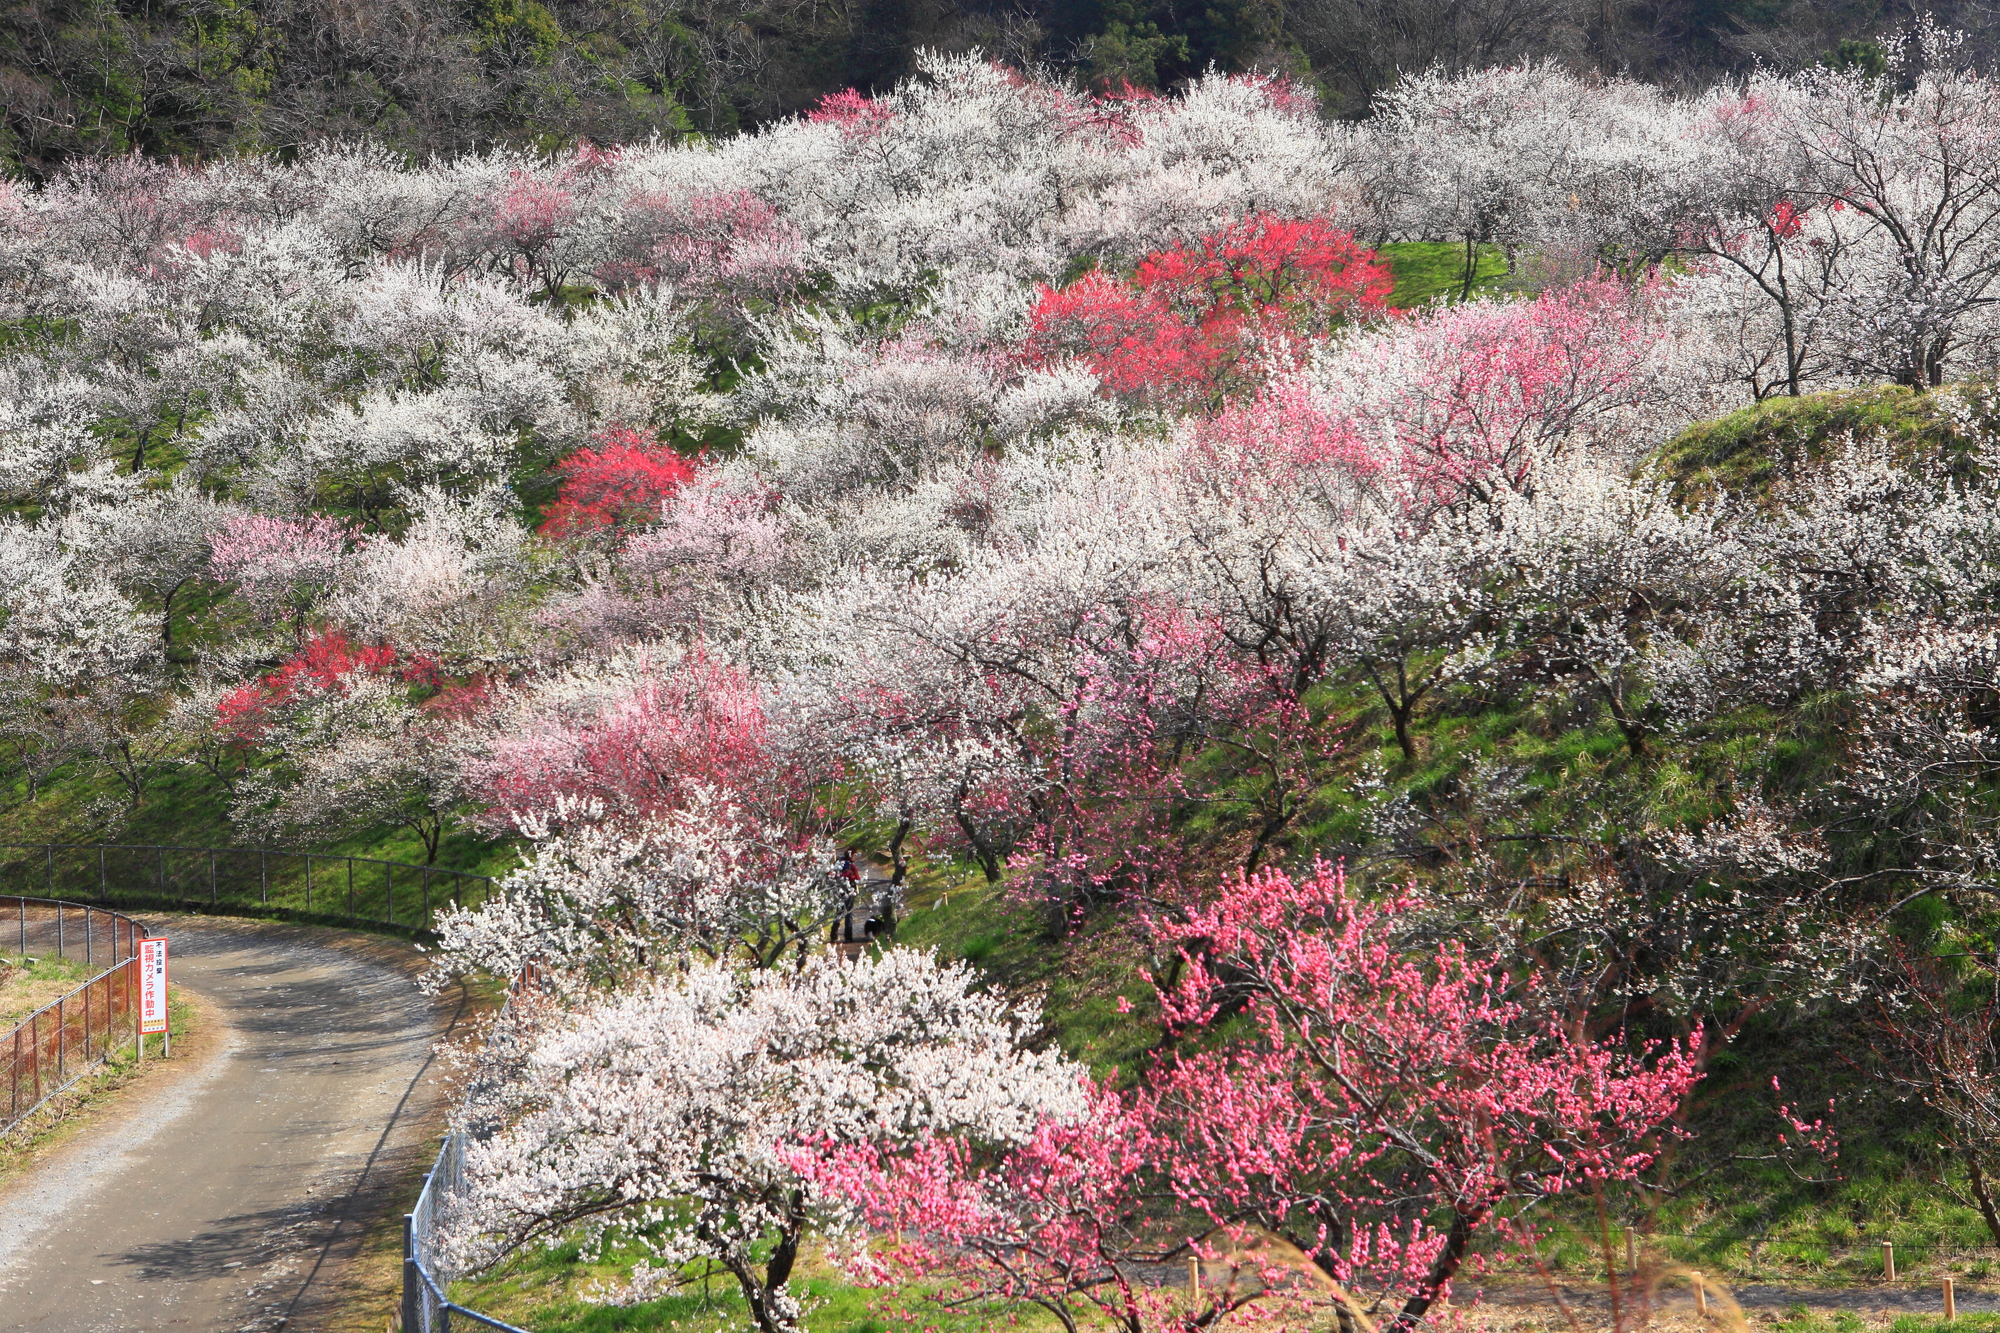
<point>1428,271</point>
<point>186,807</point>
<point>1781,439</point>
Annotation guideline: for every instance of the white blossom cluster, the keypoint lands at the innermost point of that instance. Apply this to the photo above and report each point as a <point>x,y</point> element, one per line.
<point>667,1115</point>
<point>598,903</point>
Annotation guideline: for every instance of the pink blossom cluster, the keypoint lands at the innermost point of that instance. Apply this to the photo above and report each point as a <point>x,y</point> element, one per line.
<point>1378,1074</point>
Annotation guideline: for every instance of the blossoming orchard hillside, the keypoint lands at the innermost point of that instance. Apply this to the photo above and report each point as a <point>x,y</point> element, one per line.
<point>1405,692</point>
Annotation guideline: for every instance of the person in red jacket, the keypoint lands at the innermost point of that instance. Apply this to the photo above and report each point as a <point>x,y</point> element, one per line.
<point>848,872</point>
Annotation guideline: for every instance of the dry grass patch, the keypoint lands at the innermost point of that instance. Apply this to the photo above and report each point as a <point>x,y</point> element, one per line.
<point>96,1097</point>
<point>26,984</point>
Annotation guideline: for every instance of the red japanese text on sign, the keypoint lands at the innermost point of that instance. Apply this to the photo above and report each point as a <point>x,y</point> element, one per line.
<point>152,986</point>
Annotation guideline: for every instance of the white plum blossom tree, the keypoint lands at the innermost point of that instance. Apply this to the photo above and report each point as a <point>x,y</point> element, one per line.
<point>671,1115</point>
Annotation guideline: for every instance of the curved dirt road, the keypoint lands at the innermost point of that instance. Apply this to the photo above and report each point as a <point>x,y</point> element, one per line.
<point>228,1195</point>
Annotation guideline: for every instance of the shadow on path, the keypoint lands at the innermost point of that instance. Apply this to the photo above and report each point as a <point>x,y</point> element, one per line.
<point>235,1198</point>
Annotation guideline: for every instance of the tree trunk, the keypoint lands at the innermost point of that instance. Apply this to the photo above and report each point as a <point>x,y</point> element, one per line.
<point>128,770</point>
<point>1633,729</point>
<point>899,864</point>
<point>1442,1270</point>
<point>779,1271</point>
<point>1402,718</point>
<point>1794,357</point>
<point>1280,819</point>
<point>1982,1193</point>
<point>429,831</point>
<point>988,858</point>
<point>760,1295</point>
<point>1401,702</point>
<point>899,871</point>
<point>167,621</point>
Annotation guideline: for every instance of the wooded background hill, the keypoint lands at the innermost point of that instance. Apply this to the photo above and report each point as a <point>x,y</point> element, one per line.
<point>196,78</point>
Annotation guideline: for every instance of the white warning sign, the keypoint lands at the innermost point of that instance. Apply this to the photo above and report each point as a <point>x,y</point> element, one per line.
<point>152,987</point>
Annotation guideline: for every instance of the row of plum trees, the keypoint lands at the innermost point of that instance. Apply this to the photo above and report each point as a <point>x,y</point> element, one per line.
<point>1043,484</point>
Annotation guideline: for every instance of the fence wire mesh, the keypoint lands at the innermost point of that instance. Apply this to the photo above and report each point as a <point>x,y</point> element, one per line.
<point>57,1044</point>
<point>427,1272</point>
<point>256,880</point>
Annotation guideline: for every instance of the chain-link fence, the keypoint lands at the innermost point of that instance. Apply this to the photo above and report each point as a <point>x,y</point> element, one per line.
<point>60,1042</point>
<point>427,1274</point>
<point>251,880</point>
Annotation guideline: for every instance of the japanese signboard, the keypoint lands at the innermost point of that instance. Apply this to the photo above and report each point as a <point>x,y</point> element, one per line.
<point>152,986</point>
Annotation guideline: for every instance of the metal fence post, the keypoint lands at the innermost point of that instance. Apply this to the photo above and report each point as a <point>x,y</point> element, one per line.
<point>412,1283</point>
<point>86,937</point>
<point>462,889</point>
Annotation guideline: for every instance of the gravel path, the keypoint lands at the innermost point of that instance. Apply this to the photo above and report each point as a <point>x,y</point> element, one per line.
<point>228,1195</point>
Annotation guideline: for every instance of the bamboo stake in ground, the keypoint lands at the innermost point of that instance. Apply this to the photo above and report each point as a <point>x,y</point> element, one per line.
<point>1194,1279</point>
<point>1950,1301</point>
<point>1700,1295</point>
<point>1888,1261</point>
<point>1631,1252</point>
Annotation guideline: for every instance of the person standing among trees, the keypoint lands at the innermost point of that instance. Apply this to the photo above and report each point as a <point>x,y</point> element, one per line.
<point>848,871</point>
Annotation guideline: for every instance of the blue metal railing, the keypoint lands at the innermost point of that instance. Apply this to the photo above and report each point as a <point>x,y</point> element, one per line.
<point>425,1276</point>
